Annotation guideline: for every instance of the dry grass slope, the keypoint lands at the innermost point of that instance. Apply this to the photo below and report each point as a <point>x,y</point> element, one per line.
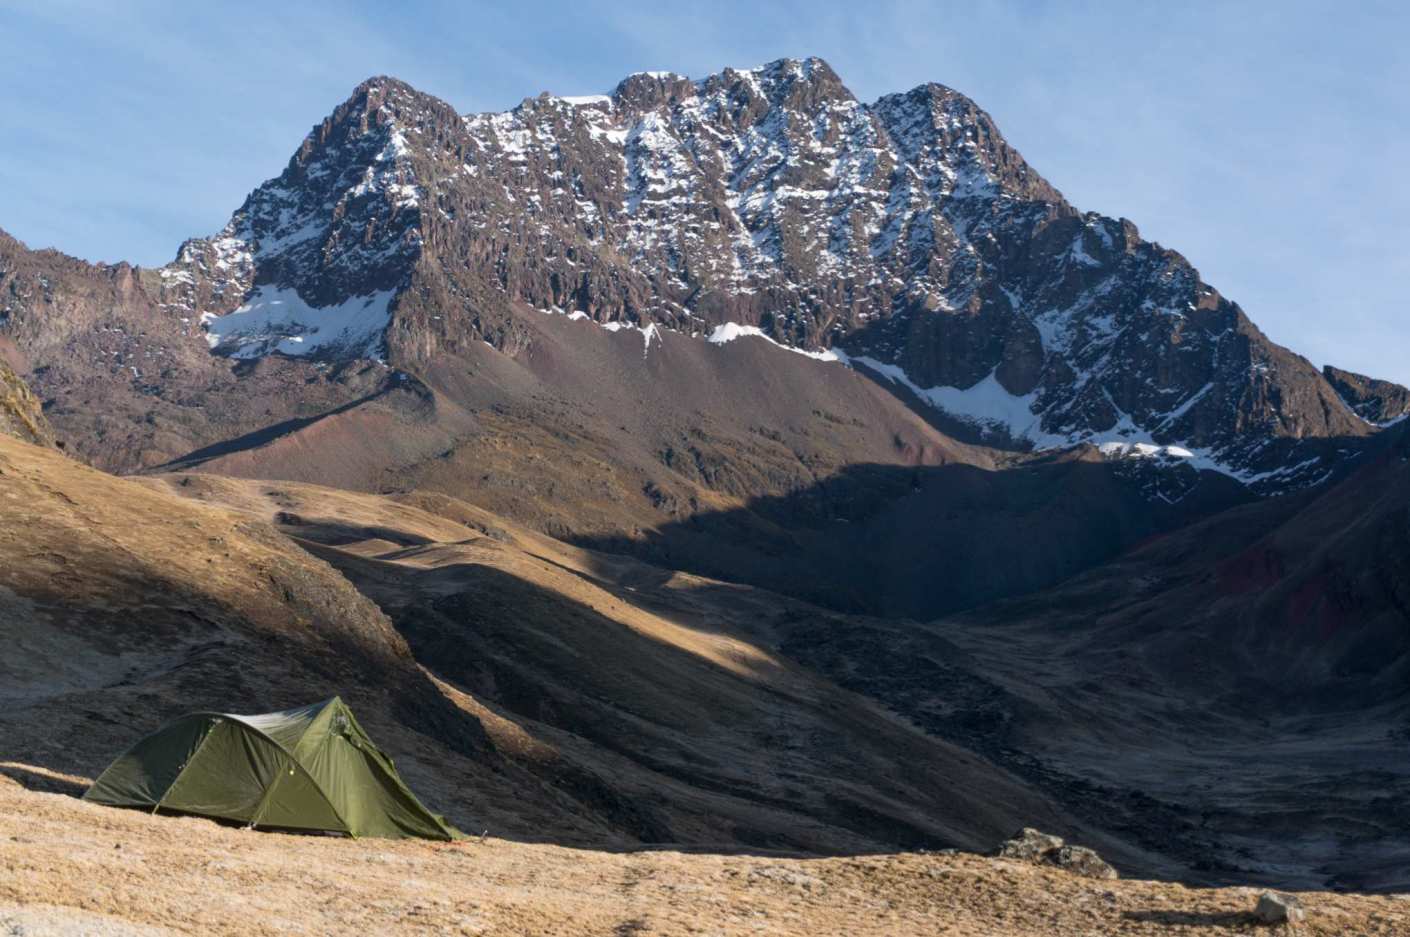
<point>662,687</point>
<point>68,863</point>
<point>657,698</point>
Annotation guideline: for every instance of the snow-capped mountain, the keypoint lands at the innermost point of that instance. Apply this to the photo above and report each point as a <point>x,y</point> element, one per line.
<point>309,264</point>
<point>906,234</point>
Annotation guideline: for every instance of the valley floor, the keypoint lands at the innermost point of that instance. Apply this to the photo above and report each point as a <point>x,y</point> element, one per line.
<point>68,867</point>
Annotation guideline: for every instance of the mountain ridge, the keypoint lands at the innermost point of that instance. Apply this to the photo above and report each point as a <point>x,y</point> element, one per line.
<point>904,236</point>
<point>691,204</point>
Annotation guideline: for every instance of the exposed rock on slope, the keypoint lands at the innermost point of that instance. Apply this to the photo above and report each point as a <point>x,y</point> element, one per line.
<point>129,382</point>
<point>21,415</point>
<point>1030,845</point>
<point>1378,402</point>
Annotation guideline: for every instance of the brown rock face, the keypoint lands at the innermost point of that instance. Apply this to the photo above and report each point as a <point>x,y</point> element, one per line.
<point>21,415</point>
<point>125,373</point>
<point>1375,401</point>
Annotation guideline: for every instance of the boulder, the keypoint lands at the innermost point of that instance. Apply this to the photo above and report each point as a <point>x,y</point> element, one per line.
<point>1081,860</point>
<point>1275,908</point>
<point>1030,845</point>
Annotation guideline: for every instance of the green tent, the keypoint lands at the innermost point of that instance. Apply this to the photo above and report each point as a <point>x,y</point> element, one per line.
<point>311,768</point>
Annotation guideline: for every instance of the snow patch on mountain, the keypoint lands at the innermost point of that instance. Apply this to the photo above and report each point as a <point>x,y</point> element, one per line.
<point>989,407</point>
<point>649,332</point>
<point>986,405</point>
<point>278,321</point>
<point>390,174</point>
<point>341,224</point>
<point>730,331</point>
<point>1143,450</point>
<point>586,100</point>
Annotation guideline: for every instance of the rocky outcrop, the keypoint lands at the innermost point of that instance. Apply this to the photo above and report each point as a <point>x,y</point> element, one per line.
<point>1030,845</point>
<point>124,369</point>
<point>1081,861</point>
<point>1275,908</point>
<point>1375,401</point>
<point>21,415</point>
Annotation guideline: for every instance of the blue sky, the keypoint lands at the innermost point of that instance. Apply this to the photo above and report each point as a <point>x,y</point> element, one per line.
<point>1267,142</point>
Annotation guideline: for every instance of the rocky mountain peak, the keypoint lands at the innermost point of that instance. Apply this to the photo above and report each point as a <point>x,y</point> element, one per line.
<point>338,230</point>
<point>804,85</point>
<point>375,103</point>
<point>907,236</point>
<point>934,125</point>
<point>646,90</point>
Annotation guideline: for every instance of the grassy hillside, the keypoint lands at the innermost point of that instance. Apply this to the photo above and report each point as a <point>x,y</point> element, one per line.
<point>76,868</point>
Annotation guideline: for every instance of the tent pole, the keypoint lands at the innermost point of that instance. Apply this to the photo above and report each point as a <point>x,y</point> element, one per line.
<point>190,758</point>
<point>268,793</point>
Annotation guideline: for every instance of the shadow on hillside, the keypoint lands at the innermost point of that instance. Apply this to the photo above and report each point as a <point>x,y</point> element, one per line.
<point>664,737</point>
<point>1193,918</point>
<point>1056,517</point>
<point>257,438</point>
<point>127,641</point>
<point>332,532</point>
<point>922,541</point>
<point>36,779</point>
<point>684,731</point>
